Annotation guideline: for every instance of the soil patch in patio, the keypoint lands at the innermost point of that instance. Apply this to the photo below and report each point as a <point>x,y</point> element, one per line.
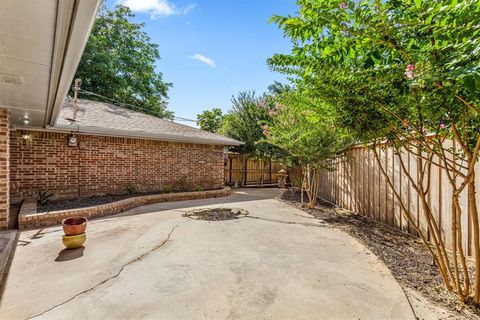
<point>216,214</point>
<point>405,255</point>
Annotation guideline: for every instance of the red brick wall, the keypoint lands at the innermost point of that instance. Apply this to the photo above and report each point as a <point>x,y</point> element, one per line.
<point>4,172</point>
<point>107,165</point>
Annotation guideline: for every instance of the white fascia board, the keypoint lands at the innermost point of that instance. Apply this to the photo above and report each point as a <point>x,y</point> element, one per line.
<point>75,20</point>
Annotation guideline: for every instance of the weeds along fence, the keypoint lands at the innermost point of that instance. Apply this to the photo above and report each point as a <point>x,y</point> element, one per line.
<point>357,184</point>
<point>243,171</point>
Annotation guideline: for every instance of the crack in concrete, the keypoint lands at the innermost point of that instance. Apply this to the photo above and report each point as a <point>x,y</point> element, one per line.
<point>320,225</point>
<point>140,257</point>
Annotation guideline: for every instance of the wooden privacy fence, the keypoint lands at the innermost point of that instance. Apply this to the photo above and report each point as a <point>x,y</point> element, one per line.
<point>357,184</point>
<point>245,172</point>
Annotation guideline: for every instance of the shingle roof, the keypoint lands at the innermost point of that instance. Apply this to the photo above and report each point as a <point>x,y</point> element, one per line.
<point>104,118</point>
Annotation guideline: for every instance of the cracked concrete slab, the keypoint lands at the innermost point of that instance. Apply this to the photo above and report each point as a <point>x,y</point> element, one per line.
<point>152,263</point>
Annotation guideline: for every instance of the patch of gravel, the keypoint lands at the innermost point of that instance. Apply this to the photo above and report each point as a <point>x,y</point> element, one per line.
<point>216,214</point>
<point>405,255</point>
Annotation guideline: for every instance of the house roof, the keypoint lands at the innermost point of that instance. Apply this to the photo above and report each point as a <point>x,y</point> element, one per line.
<point>103,118</point>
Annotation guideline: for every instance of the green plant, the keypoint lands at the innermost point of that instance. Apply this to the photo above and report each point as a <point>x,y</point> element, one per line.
<point>306,129</point>
<point>243,122</point>
<point>198,188</point>
<point>131,189</point>
<point>210,120</point>
<point>167,189</point>
<point>404,73</point>
<point>119,62</point>
<point>182,184</point>
<point>44,196</point>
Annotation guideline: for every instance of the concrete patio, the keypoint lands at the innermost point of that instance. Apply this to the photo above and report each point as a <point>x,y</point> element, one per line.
<point>152,263</point>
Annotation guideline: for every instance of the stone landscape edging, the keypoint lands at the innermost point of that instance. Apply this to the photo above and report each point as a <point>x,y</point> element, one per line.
<point>31,220</point>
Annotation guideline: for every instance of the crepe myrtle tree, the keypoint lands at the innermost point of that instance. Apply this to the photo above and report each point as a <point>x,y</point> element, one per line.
<point>406,73</point>
<point>304,127</point>
<point>243,122</point>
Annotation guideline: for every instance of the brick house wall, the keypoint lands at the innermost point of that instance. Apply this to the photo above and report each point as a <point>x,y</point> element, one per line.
<point>43,161</point>
<point>4,167</point>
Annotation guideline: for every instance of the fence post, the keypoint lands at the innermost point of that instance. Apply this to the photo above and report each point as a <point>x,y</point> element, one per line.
<point>245,171</point>
<point>270,165</point>
<point>230,170</point>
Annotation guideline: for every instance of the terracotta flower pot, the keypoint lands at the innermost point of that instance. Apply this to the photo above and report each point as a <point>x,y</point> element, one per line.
<point>74,242</point>
<point>74,225</point>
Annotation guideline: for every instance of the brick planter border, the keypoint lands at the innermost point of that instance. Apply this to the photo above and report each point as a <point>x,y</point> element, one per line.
<point>29,220</point>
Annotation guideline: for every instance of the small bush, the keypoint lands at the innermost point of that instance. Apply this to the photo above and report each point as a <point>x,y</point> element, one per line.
<point>44,196</point>
<point>167,189</point>
<point>182,184</point>
<point>131,189</point>
<point>198,188</point>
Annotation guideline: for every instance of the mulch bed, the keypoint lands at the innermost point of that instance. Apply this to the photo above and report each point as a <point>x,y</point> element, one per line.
<point>58,205</point>
<point>405,255</point>
<point>80,203</point>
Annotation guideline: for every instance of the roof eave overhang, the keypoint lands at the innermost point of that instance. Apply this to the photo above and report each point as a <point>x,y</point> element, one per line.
<point>96,131</point>
<point>75,20</point>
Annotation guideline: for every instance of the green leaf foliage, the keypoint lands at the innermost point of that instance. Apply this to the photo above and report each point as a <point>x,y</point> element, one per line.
<point>391,69</point>
<point>305,128</point>
<point>119,63</point>
<point>210,120</point>
<point>244,122</point>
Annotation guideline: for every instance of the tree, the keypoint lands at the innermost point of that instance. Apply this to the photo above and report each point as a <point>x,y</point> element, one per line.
<point>210,120</point>
<point>406,73</point>
<point>243,122</point>
<point>305,128</point>
<point>118,65</point>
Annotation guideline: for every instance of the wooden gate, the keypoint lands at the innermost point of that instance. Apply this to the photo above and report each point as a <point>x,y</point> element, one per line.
<point>245,172</point>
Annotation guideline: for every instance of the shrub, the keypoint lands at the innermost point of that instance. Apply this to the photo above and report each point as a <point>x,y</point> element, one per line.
<point>131,189</point>
<point>44,196</point>
<point>167,189</point>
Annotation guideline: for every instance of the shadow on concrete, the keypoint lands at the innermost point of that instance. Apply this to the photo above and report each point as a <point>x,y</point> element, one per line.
<point>13,216</point>
<point>7,250</point>
<point>37,235</point>
<point>69,254</point>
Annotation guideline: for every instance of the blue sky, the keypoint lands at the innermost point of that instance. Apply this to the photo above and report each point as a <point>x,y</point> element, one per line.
<point>212,49</point>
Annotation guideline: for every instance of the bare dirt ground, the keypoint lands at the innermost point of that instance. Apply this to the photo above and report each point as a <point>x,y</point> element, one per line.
<point>405,255</point>
<point>216,214</point>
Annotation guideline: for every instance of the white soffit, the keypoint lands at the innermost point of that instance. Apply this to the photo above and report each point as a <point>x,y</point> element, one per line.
<point>41,43</point>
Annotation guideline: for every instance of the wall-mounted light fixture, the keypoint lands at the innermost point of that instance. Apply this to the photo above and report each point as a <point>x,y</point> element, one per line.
<point>27,139</point>
<point>72,140</point>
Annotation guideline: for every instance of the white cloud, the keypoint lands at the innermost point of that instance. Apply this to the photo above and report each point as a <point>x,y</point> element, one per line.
<point>156,8</point>
<point>203,59</point>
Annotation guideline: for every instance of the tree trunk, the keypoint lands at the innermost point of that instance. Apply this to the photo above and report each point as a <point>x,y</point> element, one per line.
<point>473,212</point>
